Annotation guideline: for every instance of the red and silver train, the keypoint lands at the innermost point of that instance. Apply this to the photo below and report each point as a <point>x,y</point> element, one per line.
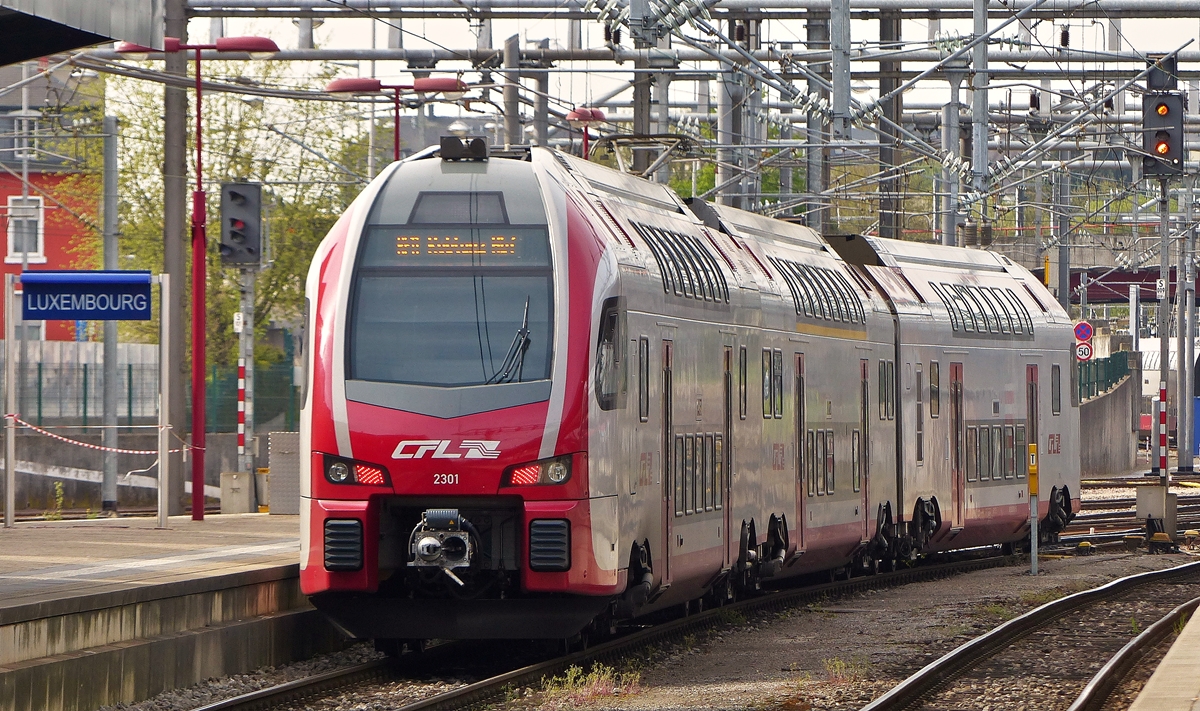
<point>543,395</point>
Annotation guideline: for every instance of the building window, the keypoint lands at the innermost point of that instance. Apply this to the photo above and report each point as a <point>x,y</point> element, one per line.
<point>26,230</point>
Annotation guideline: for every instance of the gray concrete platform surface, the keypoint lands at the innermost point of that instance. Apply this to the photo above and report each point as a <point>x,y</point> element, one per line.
<point>48,560</point>
<point>107,611</point>
<point>1175,684</point>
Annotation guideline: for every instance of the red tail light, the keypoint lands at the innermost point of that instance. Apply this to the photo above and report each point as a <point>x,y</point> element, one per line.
<point>526,475</point>
<point>371,476</point>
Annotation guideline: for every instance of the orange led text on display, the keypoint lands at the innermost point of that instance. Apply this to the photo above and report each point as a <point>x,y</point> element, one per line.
<point>420,245</point>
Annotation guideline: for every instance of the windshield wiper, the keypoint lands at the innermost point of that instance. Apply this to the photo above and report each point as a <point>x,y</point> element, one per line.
<point>514,360</point>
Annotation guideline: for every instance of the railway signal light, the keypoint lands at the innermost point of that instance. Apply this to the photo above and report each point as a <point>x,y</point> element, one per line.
<point>1162,135</point>
<point>241,223</point>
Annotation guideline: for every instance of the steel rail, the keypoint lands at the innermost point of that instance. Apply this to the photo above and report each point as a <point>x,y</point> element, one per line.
<point>303,688</point>
<point>487,689</point>
<point>937,673</point>
<point>1096,693</point>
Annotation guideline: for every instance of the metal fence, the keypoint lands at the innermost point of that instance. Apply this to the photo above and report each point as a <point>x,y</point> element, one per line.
<point>1099,375</point>
<point>276,399</point>
<point>62,383</point>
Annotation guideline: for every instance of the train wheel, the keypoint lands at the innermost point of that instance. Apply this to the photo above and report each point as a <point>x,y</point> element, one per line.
<point>391,647</point>
<point>578,643</point>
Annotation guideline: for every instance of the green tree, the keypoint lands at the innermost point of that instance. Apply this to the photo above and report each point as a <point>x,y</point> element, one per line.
<point>278,142</point>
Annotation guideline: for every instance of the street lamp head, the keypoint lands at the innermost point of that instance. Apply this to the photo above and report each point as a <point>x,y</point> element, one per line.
<point>581,117</point>
<point>452,88</point>
<point>136,52</point>
<point>350,86</point>
<point>256,47</point>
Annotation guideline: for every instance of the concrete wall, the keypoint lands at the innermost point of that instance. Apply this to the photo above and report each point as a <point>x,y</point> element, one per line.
<point>1108,430</point>
<point>124,646</point>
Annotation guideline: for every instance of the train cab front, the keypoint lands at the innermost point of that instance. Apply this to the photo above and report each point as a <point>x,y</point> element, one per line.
<point>448,493</point>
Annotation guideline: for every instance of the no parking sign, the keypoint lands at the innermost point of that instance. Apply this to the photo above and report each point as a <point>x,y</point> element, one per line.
<point>1083,331</point>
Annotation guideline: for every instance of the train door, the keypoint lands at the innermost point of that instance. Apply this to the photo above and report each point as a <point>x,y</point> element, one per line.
<point>956,443</point>
<point>798,443</point>
<point>860,460</point>
<point>724,459</point>
<point>671,476</point>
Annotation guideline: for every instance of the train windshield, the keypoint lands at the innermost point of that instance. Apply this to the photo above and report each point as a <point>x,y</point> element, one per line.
<point>453,304</point>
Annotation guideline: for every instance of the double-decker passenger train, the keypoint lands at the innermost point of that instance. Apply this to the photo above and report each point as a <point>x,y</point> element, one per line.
<point>543,395</point>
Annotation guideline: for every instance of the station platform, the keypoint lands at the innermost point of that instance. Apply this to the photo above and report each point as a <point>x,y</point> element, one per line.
<point>42,561</point>
<point>1175,684</point>
<point>106,611</point>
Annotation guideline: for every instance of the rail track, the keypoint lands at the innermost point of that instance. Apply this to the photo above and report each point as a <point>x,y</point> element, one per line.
<point>1047,656</point>
<point>372,673</point>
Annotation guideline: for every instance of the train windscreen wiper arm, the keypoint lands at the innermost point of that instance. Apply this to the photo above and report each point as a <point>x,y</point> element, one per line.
<point>514,360</point>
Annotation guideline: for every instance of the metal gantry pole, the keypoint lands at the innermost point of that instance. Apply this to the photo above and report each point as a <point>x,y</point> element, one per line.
<point>1063,210</point>
<point>1164,326</point>
<point>164,399</point>
<point>10,402</point>
<point>1184,298</point>
<point>512,96</point>
<point>816,155</point>
<point>979,110</point>
<point>839,44</point>
<point>108,487</point>
<point>174,240</point>
<point>952,144</point>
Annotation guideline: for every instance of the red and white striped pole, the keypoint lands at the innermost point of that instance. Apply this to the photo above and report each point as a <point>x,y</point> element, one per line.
<point>1162,430</point>
<point>241,408</point>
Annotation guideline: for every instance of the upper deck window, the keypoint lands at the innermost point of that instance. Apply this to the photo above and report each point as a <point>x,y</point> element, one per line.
<point>440,208</point>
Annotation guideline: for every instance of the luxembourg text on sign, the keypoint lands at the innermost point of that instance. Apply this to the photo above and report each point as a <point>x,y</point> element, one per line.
<point>86,295</point>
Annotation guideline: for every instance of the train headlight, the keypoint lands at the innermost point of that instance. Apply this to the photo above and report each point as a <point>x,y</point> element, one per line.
<point>557,472</point>
<point>345,471</point>
<point>338,473</point>
<point>546,471</point>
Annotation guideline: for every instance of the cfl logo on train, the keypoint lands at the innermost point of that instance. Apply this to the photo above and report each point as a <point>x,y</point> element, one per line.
<point>475,449</point>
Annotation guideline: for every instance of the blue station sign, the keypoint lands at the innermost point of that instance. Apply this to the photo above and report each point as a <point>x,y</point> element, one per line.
<point>86,295</point>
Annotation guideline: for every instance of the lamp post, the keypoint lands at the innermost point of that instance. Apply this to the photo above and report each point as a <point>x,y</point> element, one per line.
<point>452,88</point>
<point>582,117</point>
<point>258,48</point>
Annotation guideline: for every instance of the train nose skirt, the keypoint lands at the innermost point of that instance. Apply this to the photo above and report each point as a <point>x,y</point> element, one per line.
<point>374,617</point>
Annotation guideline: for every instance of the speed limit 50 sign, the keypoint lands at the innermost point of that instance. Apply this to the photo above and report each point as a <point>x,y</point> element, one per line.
<point>1083,351</point>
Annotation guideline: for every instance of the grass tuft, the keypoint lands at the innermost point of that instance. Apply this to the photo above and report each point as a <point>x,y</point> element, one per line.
<point>577,686</point>
<point>841,671</point>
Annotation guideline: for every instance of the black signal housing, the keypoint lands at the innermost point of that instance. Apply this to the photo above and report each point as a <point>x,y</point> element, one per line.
<point>1164,152</point>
